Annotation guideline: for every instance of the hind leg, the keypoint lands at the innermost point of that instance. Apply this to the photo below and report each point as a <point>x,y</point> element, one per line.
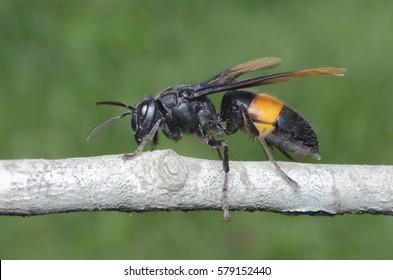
<point>248,123</point>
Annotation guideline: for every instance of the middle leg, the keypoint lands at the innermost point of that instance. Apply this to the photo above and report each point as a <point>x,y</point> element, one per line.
<point>216,145</point>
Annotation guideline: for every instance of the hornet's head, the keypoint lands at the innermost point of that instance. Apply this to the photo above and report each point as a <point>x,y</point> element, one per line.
<point>144,115</point>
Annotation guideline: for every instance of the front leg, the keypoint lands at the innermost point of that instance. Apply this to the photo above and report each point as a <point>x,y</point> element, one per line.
<point>155,141</point>
<point>149,136</point>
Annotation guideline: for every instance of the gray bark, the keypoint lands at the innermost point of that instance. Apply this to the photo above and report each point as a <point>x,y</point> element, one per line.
<point>163,180</point>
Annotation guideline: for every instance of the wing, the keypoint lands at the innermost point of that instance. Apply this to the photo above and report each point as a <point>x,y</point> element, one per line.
<point>269,79</point>
<point>235,71</point>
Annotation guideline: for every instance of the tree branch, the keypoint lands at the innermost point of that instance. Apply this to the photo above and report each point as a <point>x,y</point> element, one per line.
<point>163,180</point>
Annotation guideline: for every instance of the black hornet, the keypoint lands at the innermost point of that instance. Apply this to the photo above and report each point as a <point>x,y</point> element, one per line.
<point>187,109</point>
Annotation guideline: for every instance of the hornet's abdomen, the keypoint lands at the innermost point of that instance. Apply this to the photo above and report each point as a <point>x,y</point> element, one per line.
<point>281,126</point>
<point>264,111</point>
<point>294,134</point>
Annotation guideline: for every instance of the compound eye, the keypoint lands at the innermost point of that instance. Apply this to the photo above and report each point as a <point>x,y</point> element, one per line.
<point>141,113</point>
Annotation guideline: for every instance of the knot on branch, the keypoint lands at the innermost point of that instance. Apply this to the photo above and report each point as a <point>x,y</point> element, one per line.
<point>172,170</point>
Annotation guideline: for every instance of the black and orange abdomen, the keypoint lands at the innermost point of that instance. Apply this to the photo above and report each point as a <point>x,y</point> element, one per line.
<point>281,126</point>
<point>293,133</point>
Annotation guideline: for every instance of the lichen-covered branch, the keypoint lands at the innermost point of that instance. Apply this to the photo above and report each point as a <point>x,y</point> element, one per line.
<point>163,180</point>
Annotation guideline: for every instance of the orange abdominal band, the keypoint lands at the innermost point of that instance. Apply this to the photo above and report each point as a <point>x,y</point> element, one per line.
<point>264,111</point>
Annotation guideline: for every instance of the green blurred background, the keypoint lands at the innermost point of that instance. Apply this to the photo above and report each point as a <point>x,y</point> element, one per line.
<point>58,57</point>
